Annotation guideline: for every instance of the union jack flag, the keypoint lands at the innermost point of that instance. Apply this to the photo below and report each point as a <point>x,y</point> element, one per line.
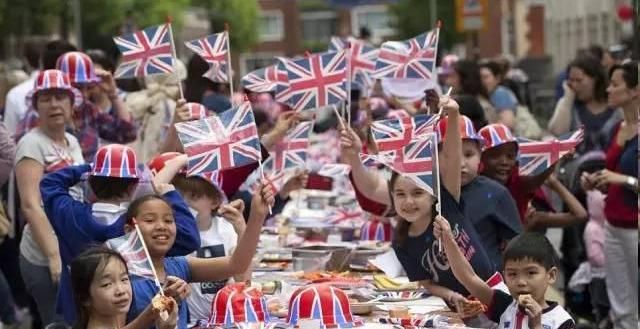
<point>535,157</point>
<point>339,216</point>
<point>413,58</point>
<point>220,142</point>
<point>291,152</point>
<point>131,247</point>
<point>145,52</point>
<point>362,58</point>
<point>265,79</point>
<point>334,170</point>
<point>375,230</point>
<point>315,81</point>
<point>413,161</point>
<point>393,134</point>
<point>214,50</point>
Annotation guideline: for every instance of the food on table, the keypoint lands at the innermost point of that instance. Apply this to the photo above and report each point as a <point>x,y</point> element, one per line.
<point>271,287</point>
<point>470,308</point>
<point>383,282</point>
<point>399,312</point>
<point>341,277</point>
<point>275,308</point>
<point>275,266</point>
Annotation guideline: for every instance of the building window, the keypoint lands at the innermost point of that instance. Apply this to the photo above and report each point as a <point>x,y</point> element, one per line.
<point>592,29</point>
<point>253,61</point>
<point>318,26</point>
<point>376,18</point>
<point>604,29</point>
<point>271,26</point>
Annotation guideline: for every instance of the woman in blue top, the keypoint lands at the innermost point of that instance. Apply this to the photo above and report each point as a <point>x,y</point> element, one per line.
<point>502,99</point>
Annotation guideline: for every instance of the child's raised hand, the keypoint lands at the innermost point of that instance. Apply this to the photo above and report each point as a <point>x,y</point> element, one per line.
<point>177,288</point>
<point>533,309</point>
<point>181,113</point>
<point>350,145</point>
<point>448,105</point>
<point>163,188</point>
<point>441,228</point>
<point>233,213</point>
<point>263,199</point>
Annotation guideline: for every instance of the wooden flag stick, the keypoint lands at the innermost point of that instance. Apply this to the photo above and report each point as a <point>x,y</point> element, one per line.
<point>146,252</point>
<point>175,56</point>
<point>441,107</point>
<point>335,110</point>
<point>436,177</point>
<point>348,58</point>
<point>229,70</point>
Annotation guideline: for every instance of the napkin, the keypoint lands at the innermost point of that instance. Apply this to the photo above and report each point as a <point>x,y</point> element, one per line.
<point>389,264</point>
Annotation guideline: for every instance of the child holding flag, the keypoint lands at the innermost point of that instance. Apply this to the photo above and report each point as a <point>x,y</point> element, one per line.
<point>155,220</point>
<point>79,225</point>
<point>414,243</point>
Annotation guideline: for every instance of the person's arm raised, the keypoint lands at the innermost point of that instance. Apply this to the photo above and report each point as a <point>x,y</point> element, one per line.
<point>460,267</point>
<point>451,162</point>
<point>211,269</point>
<point>369,183</point>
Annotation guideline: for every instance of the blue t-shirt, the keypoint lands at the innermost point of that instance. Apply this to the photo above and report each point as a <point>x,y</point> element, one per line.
<point>421,259</point>
<point>493,212</point>
<point>503,99</point>
<point>144,289</point>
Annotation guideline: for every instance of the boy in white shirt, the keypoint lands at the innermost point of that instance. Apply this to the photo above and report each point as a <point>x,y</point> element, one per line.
<point>529,269</point>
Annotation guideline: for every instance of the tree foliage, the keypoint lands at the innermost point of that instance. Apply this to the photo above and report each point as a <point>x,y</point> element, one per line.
<point>412,18</point>
<point>241,16</point>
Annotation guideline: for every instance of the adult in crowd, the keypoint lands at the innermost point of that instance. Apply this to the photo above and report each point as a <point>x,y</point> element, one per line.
<point>585,103</point>
<point>153,110</point>
<point>502,98</point>
<point>16,107</point>
<point>465,79</point>
<point>7,155</point>
<point>620,182</point>
<point>44,149</point>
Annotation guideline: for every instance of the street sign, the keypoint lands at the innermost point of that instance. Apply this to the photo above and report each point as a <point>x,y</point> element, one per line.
<point>471,15</point>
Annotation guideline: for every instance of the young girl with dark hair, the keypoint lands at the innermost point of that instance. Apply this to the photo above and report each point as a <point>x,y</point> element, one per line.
<point>102,293</point>
<point>414,243</point>
<point>155,220</point>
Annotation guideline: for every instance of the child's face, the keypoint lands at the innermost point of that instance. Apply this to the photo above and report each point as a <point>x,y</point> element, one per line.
<point>470,161</point>
<point>500,161</point>
<point>411,201</point>
<point>157,225</point>
<point>110,290</point>
<point>203,204</point>
<point>526,276</point>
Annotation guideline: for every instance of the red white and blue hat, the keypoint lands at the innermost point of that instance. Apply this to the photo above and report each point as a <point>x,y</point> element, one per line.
<point>78,66</point>
<point>52,79</point>
<point>496,134</point>
<point>323,302</point>
<point>237,304</point>
<point>197,111</point>
<point>159,161</point>
<point>376,230</point>
<point>115,160</point>
<point>467,130</point>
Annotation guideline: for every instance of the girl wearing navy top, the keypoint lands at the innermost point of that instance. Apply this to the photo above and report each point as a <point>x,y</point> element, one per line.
<point>620,182</point>
<point>414,243</point>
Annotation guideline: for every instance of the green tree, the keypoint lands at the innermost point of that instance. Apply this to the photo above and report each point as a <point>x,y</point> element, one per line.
<point>412,18</point>
<point>241,16</point>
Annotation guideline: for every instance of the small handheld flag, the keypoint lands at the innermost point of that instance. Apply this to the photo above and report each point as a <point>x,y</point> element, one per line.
<point>145,52</point>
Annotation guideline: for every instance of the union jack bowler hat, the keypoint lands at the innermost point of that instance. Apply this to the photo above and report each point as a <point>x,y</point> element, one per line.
<point>236,304</point>
<point>49,80</point>
<point>467,131</point>
<point>197,111</point>
<point>323,302</point>
<point>115,160</point>
<point>159,161</point>
<point>496,134</point>
<point>78,66</point>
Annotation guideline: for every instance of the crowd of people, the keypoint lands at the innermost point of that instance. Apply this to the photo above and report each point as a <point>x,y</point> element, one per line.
<point>73,140</point>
